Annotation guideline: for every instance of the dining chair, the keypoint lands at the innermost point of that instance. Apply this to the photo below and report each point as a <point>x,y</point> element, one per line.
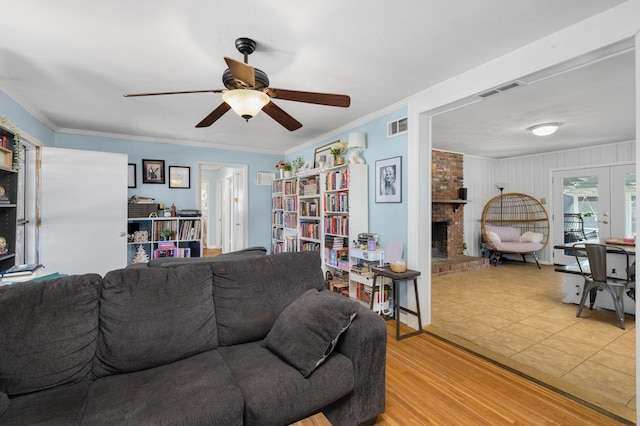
<point>594,272</point>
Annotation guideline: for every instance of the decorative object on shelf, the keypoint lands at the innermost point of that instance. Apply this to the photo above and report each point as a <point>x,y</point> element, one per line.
<point>179,177</point>
<point>287,170</point>
<point>141,255</point>
<point>174,212</point>
<point>338,150</point>
<point>389,180</point>
<point>3,245</point>
<point>325,151</point>
<point>165,234</point>
<point>153,171</point>
<point>357,142</point>
<point>140,236</point>
<point>297,163</point>
<point>280,167</point>
<point>462,193</point>
<point>4,197</point>
<point>131,175</point>
<point>322,161</point>
<point>18,149</point>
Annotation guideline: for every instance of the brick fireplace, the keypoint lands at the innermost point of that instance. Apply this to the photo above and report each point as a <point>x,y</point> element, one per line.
<point>447,219</point>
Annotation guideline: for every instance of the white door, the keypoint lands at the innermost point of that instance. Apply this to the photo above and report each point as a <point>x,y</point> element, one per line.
<point>604,199</point>
<point>84,211</point>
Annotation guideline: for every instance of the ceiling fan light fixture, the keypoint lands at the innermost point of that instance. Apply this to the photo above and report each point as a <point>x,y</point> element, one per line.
<point>544,129</point>
<point>246,102</point>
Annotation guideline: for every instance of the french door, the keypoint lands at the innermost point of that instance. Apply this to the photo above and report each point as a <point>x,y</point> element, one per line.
<point>592,204</point>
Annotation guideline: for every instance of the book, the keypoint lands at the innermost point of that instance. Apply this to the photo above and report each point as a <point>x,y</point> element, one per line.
<point>24,269</point>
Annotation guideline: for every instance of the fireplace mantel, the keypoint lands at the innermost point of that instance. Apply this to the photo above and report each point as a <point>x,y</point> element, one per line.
<point>456,203</point>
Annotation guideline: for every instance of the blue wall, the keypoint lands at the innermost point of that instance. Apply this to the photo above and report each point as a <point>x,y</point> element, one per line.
<point>389,220</point>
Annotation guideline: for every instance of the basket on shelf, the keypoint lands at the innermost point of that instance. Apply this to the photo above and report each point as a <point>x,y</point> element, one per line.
<point>141,209</point>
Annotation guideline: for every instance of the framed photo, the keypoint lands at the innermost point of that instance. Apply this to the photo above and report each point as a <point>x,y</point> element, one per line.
<point>389,180</point>
<point>153,171</point>
<point>131,176</point>
<point>179,177</point>
<point>326,151</point>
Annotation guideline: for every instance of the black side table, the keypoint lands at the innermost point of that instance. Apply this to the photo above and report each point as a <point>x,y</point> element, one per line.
<point>385,271</point>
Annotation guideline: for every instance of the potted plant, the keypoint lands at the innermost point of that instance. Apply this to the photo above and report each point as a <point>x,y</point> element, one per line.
<point>338,150</point>
<point>165,234</point>
<point>287,169</point>
<point>297,163</point>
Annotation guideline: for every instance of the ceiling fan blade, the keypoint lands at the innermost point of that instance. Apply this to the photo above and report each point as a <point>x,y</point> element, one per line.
<point>215,114</point>
<point>131,95</point>
<point>328,99</point>
<point>278,114</point>
<point>241,71</point>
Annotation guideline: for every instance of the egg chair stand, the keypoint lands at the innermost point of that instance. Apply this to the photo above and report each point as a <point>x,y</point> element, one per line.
<point>514,223</point>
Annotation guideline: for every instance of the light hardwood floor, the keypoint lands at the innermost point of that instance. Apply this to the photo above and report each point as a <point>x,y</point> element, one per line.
<point>432,382</point>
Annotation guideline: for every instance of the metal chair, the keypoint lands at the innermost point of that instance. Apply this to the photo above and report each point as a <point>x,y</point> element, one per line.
<point>574,228</point>
<point>595,276</point>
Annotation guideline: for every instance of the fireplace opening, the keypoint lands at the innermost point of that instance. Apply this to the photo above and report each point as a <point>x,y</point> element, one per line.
<point>439,239</point>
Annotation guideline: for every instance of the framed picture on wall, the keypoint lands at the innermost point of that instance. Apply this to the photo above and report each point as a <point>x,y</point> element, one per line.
<point>389,180</point>
<point>153,171</point>
<point>131,175</point>
<point>179,177</point>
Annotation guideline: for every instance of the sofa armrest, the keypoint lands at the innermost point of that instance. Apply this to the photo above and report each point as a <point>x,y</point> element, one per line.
<point>365,344</point>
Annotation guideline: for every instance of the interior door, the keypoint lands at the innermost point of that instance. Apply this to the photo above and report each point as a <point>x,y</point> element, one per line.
<point>602,198</point>
<point>84,211</point>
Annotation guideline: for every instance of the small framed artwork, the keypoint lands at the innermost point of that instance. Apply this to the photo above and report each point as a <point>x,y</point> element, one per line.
<point>389,180</point>
<point>153,171</point>
<point>131,175</point>
<point>323,155</point>
<point>179,177</point>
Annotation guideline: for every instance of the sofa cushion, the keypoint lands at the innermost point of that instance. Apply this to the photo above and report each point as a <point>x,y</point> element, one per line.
<point>198,390</point>
<point>307,331</point>
<point>250,294</point>
<point>275,393</point>
<point>531,237</point>
<point>505,233</point>
<point>58,406</point>
<point>4,402</point>
<point>49,332</point>
<point>172,262</point>
<point>153,316</point>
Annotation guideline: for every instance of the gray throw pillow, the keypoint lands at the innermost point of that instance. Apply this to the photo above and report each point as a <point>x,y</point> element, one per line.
<point>307,331</point>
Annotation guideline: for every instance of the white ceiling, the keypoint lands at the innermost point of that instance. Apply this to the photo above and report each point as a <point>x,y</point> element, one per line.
<point>69,62</point>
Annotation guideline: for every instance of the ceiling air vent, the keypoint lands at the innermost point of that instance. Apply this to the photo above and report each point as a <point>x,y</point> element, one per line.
<point>500,89</point>
<point>397,127</point>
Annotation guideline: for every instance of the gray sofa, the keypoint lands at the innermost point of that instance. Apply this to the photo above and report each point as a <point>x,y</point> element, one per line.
<point>244,341</point>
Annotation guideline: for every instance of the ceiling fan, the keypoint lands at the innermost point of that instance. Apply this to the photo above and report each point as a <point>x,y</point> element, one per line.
<point>247,93</point>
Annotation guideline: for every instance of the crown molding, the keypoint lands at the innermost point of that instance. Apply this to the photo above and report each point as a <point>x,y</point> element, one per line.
<point>26,105</point>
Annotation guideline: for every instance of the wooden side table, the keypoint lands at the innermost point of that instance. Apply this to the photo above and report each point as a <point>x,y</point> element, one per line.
<point>385,271</point>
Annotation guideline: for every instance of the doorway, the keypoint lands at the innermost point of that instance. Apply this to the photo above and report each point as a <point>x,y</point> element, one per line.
<point>593,204</point>
<point>222,189</point>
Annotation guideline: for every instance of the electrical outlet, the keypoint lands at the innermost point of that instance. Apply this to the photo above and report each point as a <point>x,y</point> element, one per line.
<point>464,246</point>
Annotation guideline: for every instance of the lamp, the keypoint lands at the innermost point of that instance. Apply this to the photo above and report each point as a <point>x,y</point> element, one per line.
<point>544,129</point>
<point>357,142</point>
<point>245,102</point>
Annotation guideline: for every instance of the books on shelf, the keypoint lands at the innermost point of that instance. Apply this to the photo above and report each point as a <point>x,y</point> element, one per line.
<point>21,273</point>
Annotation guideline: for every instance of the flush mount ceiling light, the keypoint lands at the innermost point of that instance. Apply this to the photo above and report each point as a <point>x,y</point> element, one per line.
<point>246,103</point>
<point>545,129</point>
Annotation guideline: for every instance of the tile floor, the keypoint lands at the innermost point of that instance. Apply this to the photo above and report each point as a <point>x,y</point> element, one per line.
<point>516,311</point>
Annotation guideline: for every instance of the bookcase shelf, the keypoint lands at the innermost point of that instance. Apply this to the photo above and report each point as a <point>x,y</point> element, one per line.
<point>8,200</point>
<point>332,211</point>
<point>185,239</point>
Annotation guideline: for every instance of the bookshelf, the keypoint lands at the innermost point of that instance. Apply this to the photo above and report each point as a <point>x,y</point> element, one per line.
<point>332,209</point>
<point>185,239</point>
<point>8,201</point>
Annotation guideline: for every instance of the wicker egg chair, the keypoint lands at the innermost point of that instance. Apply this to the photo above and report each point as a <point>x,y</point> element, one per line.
<point>514,210</point>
